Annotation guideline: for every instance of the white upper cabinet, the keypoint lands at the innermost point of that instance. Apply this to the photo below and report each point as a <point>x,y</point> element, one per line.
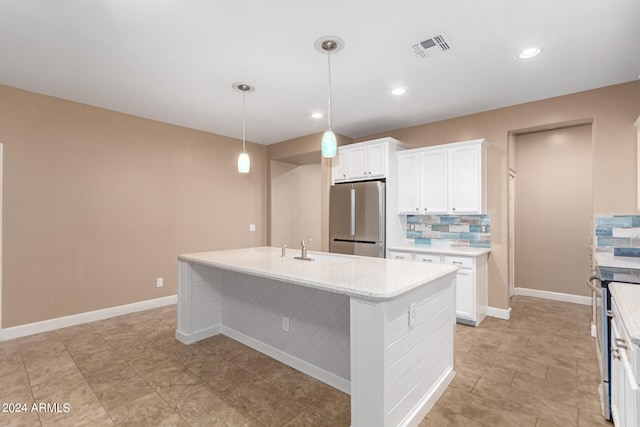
<point>435,171</point>
<point>364,160</point>
<point>443,179</point>
<point>409,169</point>
<point>465,179</point>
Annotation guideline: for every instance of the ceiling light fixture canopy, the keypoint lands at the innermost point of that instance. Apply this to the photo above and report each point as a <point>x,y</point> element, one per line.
<point>244,162</point>
<point>328,45</point>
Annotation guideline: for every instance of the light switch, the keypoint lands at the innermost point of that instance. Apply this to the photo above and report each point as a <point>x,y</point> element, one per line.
<point>252,227</point>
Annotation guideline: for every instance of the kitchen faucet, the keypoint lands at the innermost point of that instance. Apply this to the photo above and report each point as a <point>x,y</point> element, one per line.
<point>303,248</point>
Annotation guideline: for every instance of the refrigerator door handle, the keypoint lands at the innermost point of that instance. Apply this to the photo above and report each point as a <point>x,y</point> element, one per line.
<point>353,212</point>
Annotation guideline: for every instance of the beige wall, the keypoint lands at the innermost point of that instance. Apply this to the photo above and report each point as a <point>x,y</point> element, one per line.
<point>296,208</point>
<point>613,111</point>
<point>98,204</point>
<point>553,214</point>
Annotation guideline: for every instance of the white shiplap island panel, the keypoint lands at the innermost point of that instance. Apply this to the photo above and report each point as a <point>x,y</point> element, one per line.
<point>381,330</point>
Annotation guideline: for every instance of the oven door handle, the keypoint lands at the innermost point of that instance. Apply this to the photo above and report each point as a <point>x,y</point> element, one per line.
<point>594,288</point>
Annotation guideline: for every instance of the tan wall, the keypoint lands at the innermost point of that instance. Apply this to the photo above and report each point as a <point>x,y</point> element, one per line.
<point>613,111</point>
<point>98,204</point>
<point>296,211</point>
<point>554,206</point>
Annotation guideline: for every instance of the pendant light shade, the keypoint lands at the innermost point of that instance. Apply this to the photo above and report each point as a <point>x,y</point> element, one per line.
<point>329,144</point>
<point>244,162</point>
<point>328,45</point>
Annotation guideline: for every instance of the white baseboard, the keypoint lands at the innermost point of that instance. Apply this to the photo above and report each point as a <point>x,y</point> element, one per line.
<point>197,336</point>
<point>77,319</point>
<point>302,366</point>
<point>500,313</point>
<point>556,296</point>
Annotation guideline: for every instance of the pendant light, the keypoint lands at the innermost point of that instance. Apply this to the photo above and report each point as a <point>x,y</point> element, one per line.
<point>328,45</point>
<point>244,163</point>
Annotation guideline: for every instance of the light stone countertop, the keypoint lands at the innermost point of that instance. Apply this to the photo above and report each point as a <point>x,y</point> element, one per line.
<point>441,251</point>
<point>604,259</point>
<point>627,297</point>
<point>378,279</point>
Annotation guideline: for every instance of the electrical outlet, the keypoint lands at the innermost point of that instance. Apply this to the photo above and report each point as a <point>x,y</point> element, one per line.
<point>285,323</point>
<point>252,227</point>
<point>159,282</point>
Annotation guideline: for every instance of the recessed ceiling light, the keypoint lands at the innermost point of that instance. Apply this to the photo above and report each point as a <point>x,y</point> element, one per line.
<point>530,53</point>
<point>317,115</point>
<point>399,91</point>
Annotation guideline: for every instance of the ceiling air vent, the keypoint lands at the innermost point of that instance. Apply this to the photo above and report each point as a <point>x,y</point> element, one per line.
<point>431,46</point>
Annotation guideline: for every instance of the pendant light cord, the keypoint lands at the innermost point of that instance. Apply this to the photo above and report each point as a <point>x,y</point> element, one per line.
<point>244,121</point>
<point>329,108</point>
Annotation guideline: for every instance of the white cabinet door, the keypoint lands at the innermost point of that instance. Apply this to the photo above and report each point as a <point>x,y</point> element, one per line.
<point>339,166</point>
<point>465,294</point>
<point>408,183</point>
<point>357,163</point>
<point>465,179</point>
<point>434,194</point>
<point>377,160</point>
<point>617,381</point>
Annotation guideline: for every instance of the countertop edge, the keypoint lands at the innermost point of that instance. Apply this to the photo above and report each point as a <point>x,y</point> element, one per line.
<point>377,297</point>
<point>625,294</point>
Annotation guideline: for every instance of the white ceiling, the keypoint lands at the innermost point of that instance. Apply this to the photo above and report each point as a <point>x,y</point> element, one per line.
<point>176,60</point>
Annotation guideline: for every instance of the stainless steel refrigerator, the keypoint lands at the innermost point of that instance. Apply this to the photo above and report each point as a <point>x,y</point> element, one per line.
<point>357,219</point>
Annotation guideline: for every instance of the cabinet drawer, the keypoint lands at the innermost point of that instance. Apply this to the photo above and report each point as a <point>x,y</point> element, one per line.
<point>407,256</point>
<point>459,261</point>
<point>434,259</point>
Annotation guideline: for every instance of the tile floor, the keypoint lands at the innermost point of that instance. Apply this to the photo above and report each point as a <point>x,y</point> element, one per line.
<point>537,369</point>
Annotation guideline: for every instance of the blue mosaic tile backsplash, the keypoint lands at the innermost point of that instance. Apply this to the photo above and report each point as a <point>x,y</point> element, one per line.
<point>450,231</point>
<point>618,234</point>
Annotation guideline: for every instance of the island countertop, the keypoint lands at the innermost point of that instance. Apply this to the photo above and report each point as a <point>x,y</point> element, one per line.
<point>376,279</point>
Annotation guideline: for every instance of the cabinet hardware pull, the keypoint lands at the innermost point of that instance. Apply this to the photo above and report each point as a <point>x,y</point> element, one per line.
<point>457,262</point>
<point>610,313</point>
<point>615,354</point>
<point>426,260</point>
<point>621,343</point>
<point>399,257</point>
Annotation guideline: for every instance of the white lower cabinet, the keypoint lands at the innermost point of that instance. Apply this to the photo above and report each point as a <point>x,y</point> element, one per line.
<point>625,390</point>
<point>471,281</point>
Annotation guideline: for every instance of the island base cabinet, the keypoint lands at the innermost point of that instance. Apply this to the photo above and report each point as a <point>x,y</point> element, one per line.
<point>401,355</point>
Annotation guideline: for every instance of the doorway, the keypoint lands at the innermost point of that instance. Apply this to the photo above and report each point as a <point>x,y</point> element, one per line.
<point>553,213</point>
<point>296,197</point>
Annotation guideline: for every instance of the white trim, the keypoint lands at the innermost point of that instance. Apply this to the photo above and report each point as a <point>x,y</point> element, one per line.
<point>556,296</point>
<point>90,316</point>
<point>299,364</point>
<point>197,336</point>
<point>500,313</point>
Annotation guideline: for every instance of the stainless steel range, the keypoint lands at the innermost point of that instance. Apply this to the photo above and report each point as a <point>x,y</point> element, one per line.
<point>609,269</point>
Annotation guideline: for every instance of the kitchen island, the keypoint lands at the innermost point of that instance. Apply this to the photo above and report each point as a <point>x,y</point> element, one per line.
<point>381,330</point>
